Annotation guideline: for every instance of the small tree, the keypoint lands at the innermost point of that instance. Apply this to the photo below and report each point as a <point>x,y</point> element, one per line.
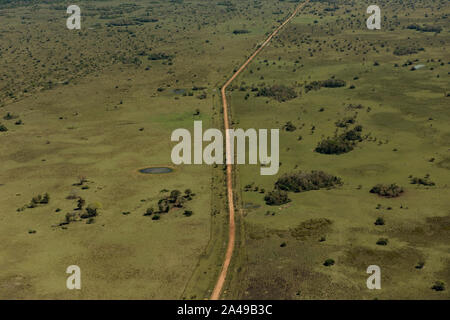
<point>45,199</point>
<point>174,195</point>
<point>80,203</point>
<point>81,180</point>
<point>149,212</point>
<point>438,286</point>
<point>382,242</point>
<point>163,206</point>
<point>188,193</point>
<point>91,210</point>
<point>276,197</point>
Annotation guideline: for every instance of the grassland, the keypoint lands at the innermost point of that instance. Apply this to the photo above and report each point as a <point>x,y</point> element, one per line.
<point>101,103</point>
<point>405,134</point>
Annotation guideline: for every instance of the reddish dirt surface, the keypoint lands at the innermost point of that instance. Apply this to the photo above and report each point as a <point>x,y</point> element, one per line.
<point>232,227</point>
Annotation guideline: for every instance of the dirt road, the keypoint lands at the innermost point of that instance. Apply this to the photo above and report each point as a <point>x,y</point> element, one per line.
<point>232,227</point>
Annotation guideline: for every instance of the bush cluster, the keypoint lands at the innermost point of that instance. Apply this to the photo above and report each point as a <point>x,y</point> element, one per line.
<point>280,93</point>
<point>276,197</point>
<point>343,143</point>
<point>422,181</point>
<point>388,191</point>
<point>302,181</point>
<point>425,28</point>
<point>174,200</point>
<point>330,83</point>
<point>403,51</point>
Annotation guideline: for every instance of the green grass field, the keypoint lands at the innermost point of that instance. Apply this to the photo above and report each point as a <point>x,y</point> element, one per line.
<point>93,104</point>
<point>406,115</point>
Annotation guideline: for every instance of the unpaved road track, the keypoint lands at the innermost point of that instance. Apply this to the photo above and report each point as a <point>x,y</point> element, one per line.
<point>232,227</point>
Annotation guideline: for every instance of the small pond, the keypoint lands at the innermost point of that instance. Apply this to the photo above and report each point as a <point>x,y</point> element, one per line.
<point>156,170</point>
<point>419,66</point>
<point>179,91</point>
<point>250,205</point>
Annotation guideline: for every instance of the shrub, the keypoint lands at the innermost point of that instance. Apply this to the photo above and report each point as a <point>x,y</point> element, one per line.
<point>9,116</point>
<point>3,128</point>
<point>438,286</point>
<point>149,212</point>
<point>91,211</point>
<point>163,206</point>
<point>156,217</point>
<point>158,56</point>
<point>45,199</point>
<point>330,83</point>
<point>402,51</point>
<point>240,31</point>
<point>39,199</point>
<point>280,93</point>
<point>314,85</point>
<point>333,83</point>
<point>70,217</point>
<point>174,200</point>
<point>336,145</point>
<point>422,181</point>
<point>344,123</point>
<point>188,194</point>
<point>425,28</point>
<point>188,213</point>
<point>388,191</point>
<point>174,195</point>
<point>382,242</point>
<point>276,197</point>
<point>328,262</point>
<point>289,127</point>
<point>379,222</point>
<point>353,135</point>
<point>420,265</point>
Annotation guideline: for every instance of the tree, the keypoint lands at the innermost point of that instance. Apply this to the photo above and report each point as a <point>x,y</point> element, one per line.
<point>328,262</point>
<point>387,191</point>
<point>80,203</point>
<point>382,242</point>
<point>91,210</point>
<point>276,197</point>
<point>163,206</point>
<point>45,199</point>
